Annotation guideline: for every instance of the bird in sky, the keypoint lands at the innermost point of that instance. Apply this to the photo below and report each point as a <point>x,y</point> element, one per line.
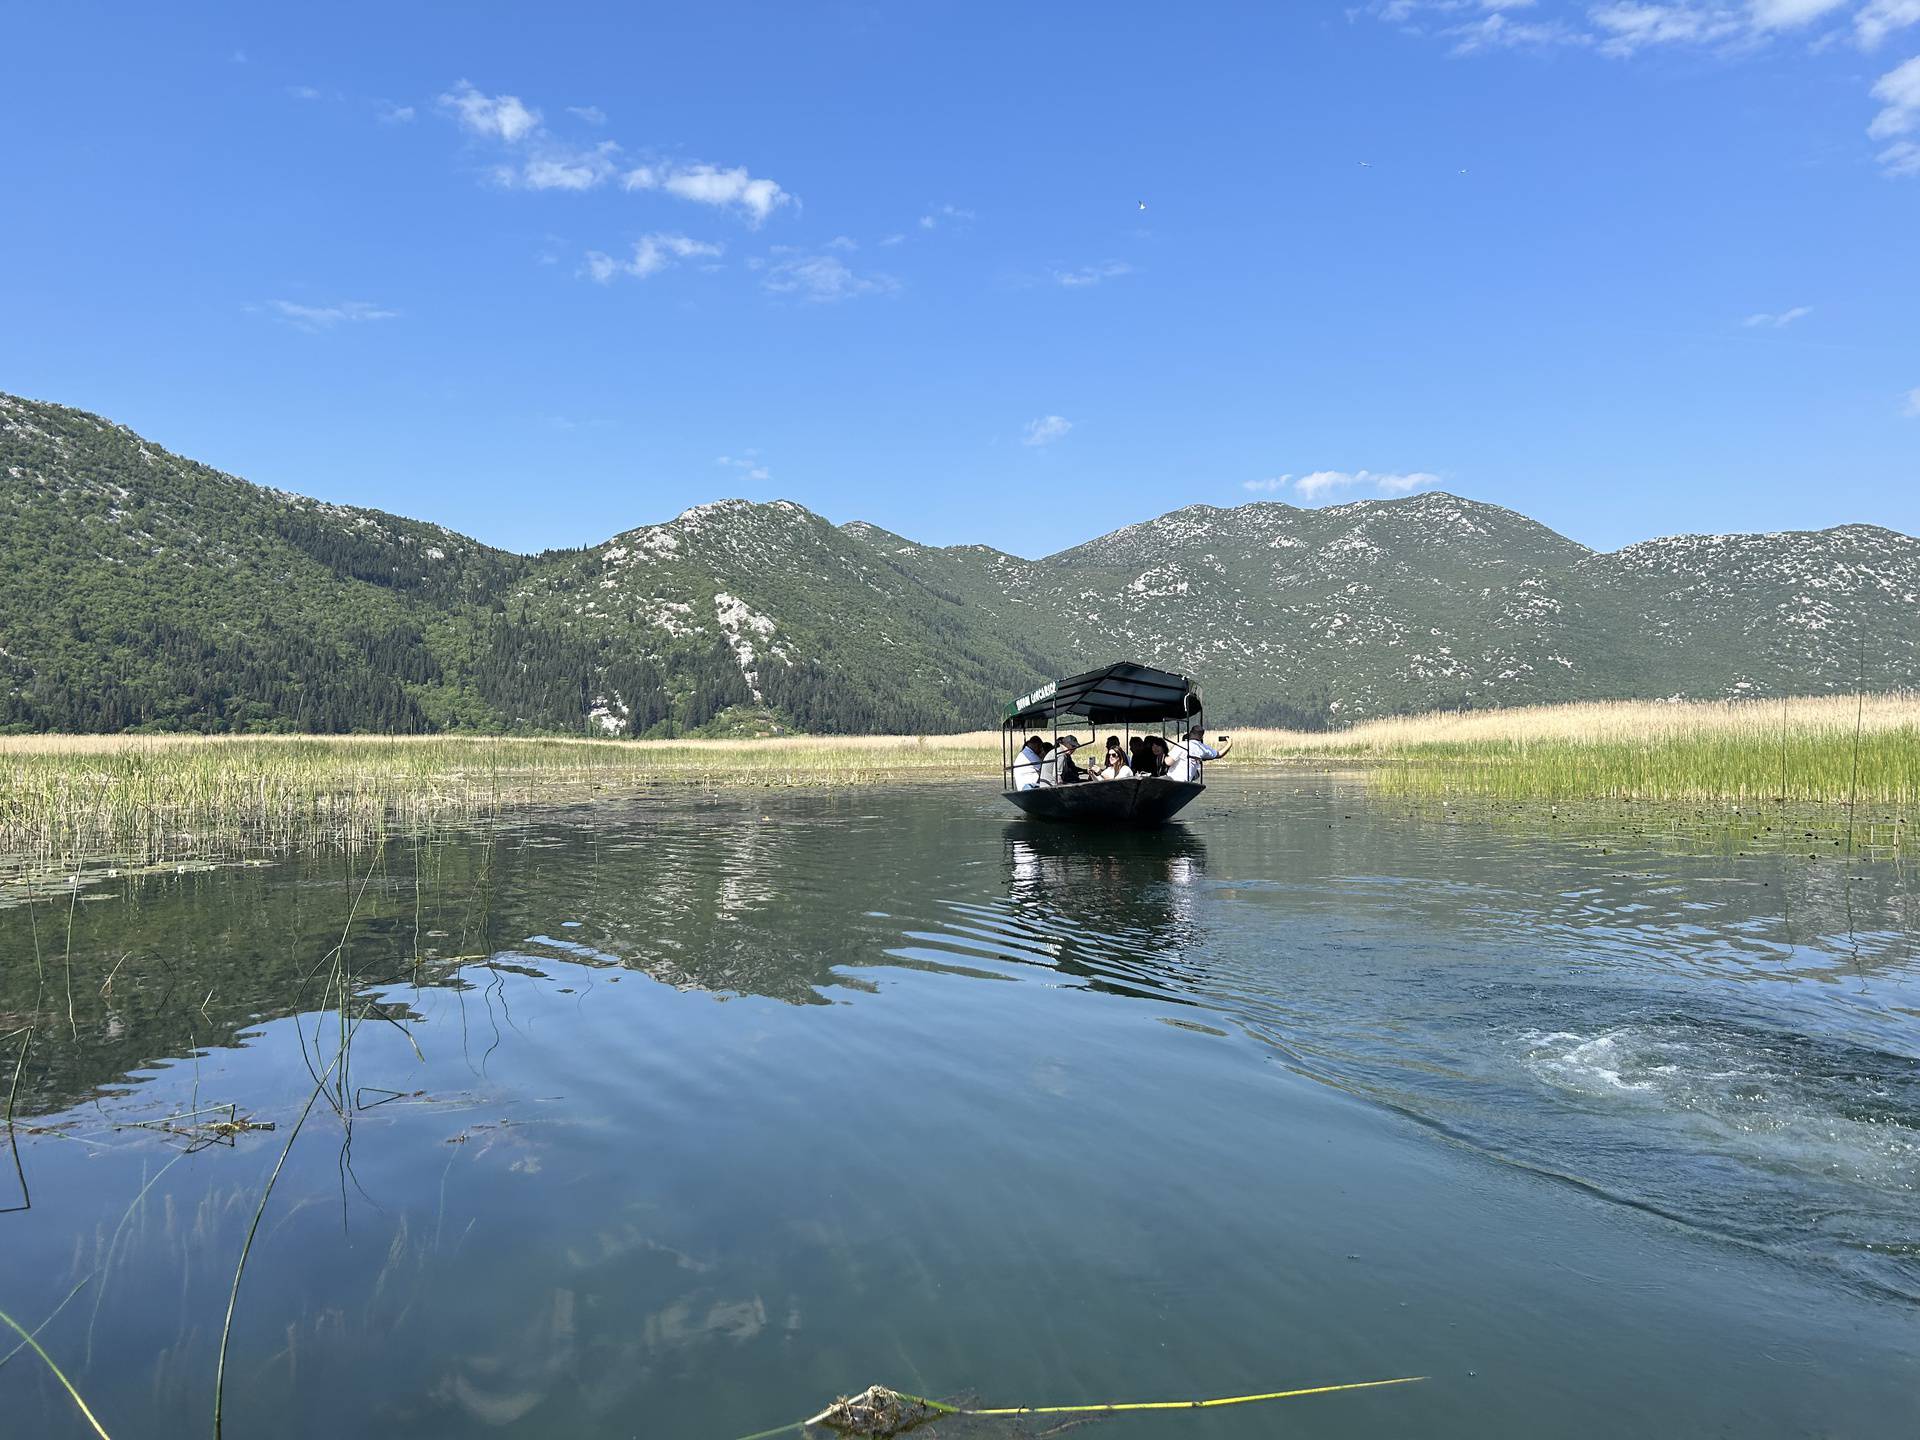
<point>1366,164</point>
<point>1143,204</point>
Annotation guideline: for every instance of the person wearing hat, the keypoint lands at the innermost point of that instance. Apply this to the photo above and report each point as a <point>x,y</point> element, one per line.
<point>1059,768</point>
<point>1189,753</point>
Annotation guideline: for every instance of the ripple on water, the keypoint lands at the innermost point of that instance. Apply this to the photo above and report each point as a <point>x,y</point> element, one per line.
<point>1792,1140</point>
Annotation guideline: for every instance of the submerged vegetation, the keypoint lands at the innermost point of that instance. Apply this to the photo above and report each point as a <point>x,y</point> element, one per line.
<point>151,799</point>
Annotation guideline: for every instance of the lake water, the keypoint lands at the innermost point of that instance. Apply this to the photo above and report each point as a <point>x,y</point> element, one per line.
<point>678,1116</point>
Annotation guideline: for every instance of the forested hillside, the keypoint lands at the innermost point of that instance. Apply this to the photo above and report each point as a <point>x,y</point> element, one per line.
<point>140,589</point>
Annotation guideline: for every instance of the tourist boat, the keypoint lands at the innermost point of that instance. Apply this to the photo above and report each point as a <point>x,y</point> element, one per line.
<point>1123,699</point>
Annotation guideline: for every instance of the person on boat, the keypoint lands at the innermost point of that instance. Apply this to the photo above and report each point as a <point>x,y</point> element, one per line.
<point>1115,767</point>
<point>1028,768</point>
<point>1157,755</point>
<point>1139,758</point>
<point>1059,768</point>
<point>1188,755</point>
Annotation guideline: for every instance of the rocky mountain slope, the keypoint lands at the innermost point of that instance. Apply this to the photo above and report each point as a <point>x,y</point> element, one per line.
<point>138,588</point>
<point>1384,606</point>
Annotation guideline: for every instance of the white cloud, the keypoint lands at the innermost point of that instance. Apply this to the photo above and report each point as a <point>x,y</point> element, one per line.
<point>1496,31</point>
<point>326,317</point>
<point>1403,484</point>
<point>501,117</point>
<point>1784,318</point>
<point>1899,91</point>
<point>1910,404</point>
<point>555,167</point>
<point>1476,25</point>
<point>1627,27</point>
<point>1881,18</point>
<point>391,114</point>
<point>842,242</point>
<point>1322,483</point>
<point>651,255</point>
<point>541,161</point>
<point>894,239</point>
<point>1618,27</point>
<point>748,465</point>
<point>1046,430</point>
<point>822,279</point>
<point>757,198</point>
<point>938,215</point>
<point>1790,14</point>
<point>303,92</point>
<point>1092,274</point>
<point>1624,27</point>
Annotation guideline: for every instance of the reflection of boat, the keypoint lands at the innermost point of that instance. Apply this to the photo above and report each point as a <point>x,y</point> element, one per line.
<point>1114,906</point>
<point>1135,857</point>
<point>1133,699</point>
<point>1126,878</point>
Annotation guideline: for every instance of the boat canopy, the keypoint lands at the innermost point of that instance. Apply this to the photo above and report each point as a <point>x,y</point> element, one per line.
<point>1122,693</point>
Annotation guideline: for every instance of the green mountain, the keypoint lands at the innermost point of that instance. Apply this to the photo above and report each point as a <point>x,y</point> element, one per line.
<point>1386,606</point>
<point>138,588</point>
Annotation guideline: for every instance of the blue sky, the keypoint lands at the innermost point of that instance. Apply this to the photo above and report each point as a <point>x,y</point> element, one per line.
<point>1632,269</point>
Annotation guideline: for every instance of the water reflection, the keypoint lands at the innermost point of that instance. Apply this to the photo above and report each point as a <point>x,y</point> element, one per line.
<point>690,1108</point>
<point>1115,907</point>
<point>728,900</point>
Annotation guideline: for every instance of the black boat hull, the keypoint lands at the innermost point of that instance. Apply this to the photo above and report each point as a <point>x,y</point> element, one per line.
<point>1151,801</point>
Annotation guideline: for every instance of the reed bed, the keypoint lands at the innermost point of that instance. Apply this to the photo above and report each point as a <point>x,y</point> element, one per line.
<point>1816,751</point>
<point>155,799</point>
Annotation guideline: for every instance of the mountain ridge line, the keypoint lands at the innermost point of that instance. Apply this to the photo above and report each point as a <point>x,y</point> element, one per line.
<point>142,589</point>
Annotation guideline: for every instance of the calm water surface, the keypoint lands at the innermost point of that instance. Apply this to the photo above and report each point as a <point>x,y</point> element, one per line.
<point>679,1116</point>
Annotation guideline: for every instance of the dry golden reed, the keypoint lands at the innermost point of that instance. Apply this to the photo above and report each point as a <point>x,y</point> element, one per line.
<point>1804,751</point>
<point>155,797</point>
<point>167,796</point>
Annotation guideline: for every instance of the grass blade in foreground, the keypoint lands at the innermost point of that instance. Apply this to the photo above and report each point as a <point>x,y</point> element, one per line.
<point>878,1413</point>
<point>58,1374</point>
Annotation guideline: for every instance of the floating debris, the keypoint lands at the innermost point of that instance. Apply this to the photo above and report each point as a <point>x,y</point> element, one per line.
<point>209,1125</point>
<point>880,1413</point>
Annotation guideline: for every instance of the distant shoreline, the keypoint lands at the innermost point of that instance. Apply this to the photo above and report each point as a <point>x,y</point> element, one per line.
<point>154,797</point>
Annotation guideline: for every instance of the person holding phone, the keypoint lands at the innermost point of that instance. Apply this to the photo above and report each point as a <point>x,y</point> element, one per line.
<point>1188,755</point>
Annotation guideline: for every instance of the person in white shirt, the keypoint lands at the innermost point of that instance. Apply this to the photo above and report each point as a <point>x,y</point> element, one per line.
<point>1189,753</point>
<point>1115,766</point>
<point>1027,773</point>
